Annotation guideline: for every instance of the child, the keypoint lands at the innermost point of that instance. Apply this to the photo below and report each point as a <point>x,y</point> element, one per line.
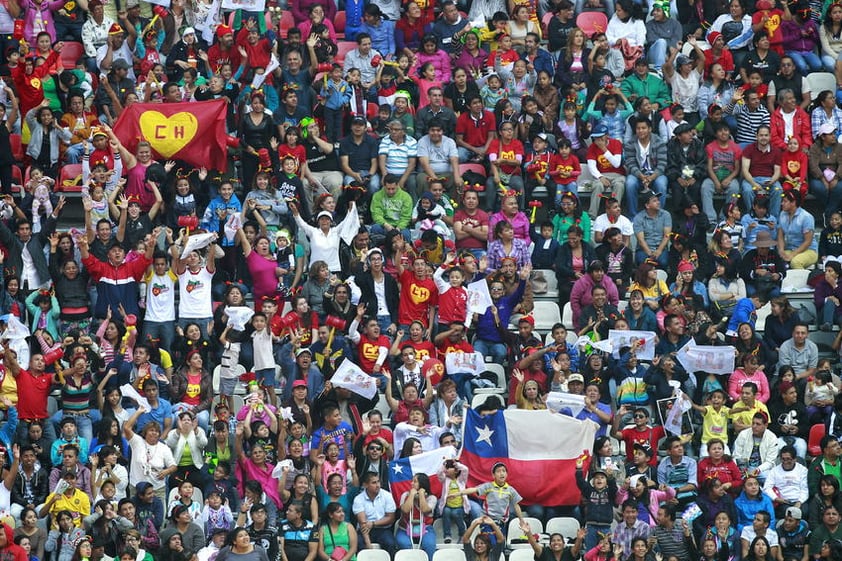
<point>402,112</point>
<point>380,124</point>
<point>331,463</point>
<point>453,298</point>
<point>830,242</point>
<point>574,129</point>
<point>264,361</point>
<point>452,506</point>
<point>631,389</point>
<point>538,165</point>
<point>565,171</point>
<point>39,187</point>
<point>598,497</point>
<point>427,215</point>
<point>357,103</point>
<point>545,247</point>
<point>336,94</point>
<point>185,498</point>
<point>676,118</point>
<point>794,168</point>
<point>228,363</point>
<point>107,492</point>
<point>732,224</point>
<point>714,419</point>
<point>819,398</point>
<point>290,187</point>
<point>325,48</point>
<point>387,85</point>
<point>759,220</point>
<point>756,84</point>
<point>492,91</point>
<point>504,56</point>
<point>707,127</point>
<point>216,515</point>
<point>501,499</point>
<point>495,29</point>
<point>287,260</point>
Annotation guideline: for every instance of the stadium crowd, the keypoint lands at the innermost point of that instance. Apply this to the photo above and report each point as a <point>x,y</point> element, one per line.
<point>165,386</point>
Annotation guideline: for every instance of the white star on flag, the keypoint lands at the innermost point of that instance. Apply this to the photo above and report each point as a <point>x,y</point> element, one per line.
<point>398,468</point>
<point>484,433</point>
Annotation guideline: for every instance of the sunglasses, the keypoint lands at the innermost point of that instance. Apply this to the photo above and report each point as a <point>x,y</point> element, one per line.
<point>639,416</point>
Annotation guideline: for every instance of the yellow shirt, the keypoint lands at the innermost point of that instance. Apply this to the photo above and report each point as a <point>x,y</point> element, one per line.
<point>745,416</point>
<point>715,425</point>
<point>79,505</point>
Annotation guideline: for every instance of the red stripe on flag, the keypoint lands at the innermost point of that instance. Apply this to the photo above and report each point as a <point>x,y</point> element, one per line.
<point>402,487</point>
<point>544,482</point>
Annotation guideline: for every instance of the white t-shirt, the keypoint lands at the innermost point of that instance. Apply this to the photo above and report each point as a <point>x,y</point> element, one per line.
<point>686,90</point>
<point>624,224</point>
<point>194,290</point>
<point>160,297</point>
<point>148,461</point>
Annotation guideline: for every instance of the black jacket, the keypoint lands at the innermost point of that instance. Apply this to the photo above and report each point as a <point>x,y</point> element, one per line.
<point>366,284</point>
<point>40,488</point>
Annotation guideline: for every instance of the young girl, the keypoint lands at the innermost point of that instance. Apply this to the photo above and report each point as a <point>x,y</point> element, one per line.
<point>570,213</point>
<point>357,102</point>
<point>546,94</point>
<point>330,463</point>
<point>794,167</point>
<point>292,147</point>
<point>574,129</point>
<point>519,82</point>
<point>566,169</point>
<point>39,187</point>
<point>265,204</point>
<point>819,397</point>
<point>185,498</point>
<point>426,80</point>
<point>452,506</point>
<point>264,361</point>
<point>492,91</point>
<point>531,121</point>
<point>453,304</point>
<point>427,215</point>
<point>216,514</point>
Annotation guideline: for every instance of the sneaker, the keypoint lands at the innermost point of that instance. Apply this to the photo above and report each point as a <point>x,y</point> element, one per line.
<point>447,540</point>
<point>826,327</point>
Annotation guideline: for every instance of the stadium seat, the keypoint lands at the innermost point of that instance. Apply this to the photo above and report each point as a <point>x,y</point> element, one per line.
<point>500,373</point>
<point>591,22</point>
<point>449,554</point>
<point>411,555</point>
<point>762,314</point>
<point>564,525</point>
<point>438,526</point>
<point>523,554</point>
<point>546,315</point>
<point>567,317</point>
<point>343,48</point>
<point>478,168</point>
<point>17,180</point>
<point>339,24</point>
<point>821,81</point>
<point>814,448</point>
<point>515,533</point>
<point>796,281</point>
<point>17,147</point>
<point>70,179</point>
<point>552,285</point>
<point>373,555</point>
<point>286,23</point>
<point>71,52</point>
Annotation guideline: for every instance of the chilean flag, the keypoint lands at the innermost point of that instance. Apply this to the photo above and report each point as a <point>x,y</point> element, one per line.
<point>401,471</point>
<point>539,449</point>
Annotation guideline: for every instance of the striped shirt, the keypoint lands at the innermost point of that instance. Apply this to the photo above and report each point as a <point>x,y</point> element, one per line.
<point>748,121</point>
<point>76,397</point>
<point>398,155</point>
<point>671,542</point>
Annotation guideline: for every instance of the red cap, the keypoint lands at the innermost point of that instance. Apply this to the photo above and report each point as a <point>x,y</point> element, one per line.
<point>115,29</point>
<point>224,30</point>
<point>528,318</point>
<point>713,36</point>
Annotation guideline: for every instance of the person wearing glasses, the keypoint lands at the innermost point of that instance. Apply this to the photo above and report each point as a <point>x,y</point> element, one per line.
<point>640,433</point>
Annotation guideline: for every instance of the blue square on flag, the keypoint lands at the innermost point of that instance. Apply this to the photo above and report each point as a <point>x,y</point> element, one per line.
<point>486,436</point>
<point>400,470</point>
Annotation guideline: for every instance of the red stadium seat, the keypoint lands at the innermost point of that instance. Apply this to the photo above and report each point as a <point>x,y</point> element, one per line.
<point>17,180</point>
<point>343,48</point>
<point>17,147</point>
<point>70,53</point>
<point>592,22</point>
<point>814,447</point>
<point>478,168</point>
<point>70,179</point>
<point>339,23</point>
<point>286,23</point>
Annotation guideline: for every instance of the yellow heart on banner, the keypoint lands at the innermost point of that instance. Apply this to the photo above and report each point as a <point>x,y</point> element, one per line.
<point>168,135</point>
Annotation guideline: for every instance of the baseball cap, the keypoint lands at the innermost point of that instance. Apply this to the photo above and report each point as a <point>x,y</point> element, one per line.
<point>300,383</point>
<point>575,378</point>
<point>644,448</point>
<point>224,30</point>
<point>358,120</point>
<point>324,213</point>
<point>599,130</point>
<point>297,353</point>
<point>681,60</point>
<point>827,128</point>
<point>528,318</point>
<point>794,512</point>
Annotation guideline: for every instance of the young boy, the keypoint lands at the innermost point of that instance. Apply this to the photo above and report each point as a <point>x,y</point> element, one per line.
<point>264,360</point>
<point>500,498</point>
<point>453,298</point>
<point>598,496</point>
<point>546,247</point>
<point>228,373</point>
<point>336,94</point>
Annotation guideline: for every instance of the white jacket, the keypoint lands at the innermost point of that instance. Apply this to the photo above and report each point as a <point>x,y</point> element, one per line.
<point>197,440</point>
<point>768,449</point>
<point>791,485</point>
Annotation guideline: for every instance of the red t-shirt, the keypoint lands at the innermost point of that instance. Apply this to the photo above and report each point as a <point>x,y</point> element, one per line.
<point>416,298</point>
<point>602,163</point>
<point>451,347</point>
<point>423,350</point>
<point>649,437</point>
<point>772,26</point>
<point>511,151</point>
<point>32,395</point>
<point>479,219</point>
<point>475,131</point>
<point>369,351</point>
<point>453,305</point>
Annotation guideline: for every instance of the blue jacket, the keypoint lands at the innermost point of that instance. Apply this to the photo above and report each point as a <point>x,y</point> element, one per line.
<point>382,36</point>
<point>744,312</point>
<point>486,328</point>
<point>746,509</point>
<point>543,61</point>
<point>52,315</point>
<point>210,221</point>
<point>335,95</point>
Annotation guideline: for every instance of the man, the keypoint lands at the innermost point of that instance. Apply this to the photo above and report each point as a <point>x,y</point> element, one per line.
<point>120,84</point>
<point>678,471</point>
<point>195,275</point>
<point>475,129</point>
<point>141,367</point>
<point>762,268</point>
<point>117,48</point>
<point>790,121</point>
<point>750,116</point>
<point>597,315</point>
<point>298,541</point>
<point>360,58</point>
<point>375,459</point>
<point>761,168</point>
<point>301,371</point>
<point>662,31</point>
<point>333,429</point>
<point>358,156</point>
<point>790,420</point>
<point>759,527</point>
<point>67,497</point>
<point>450,28</point>
<point>372,345</point>
<point>438,158</point>
<point>580,295</point>
<point>260,532</point>
<point>160,409</point>
<point>724,159</point>
<point>33,390</point>
<point>391,207</point>
<point>25,256</point>
<point>95,35</point>
<point>629,528</point>
<point>644,84</point>
<point>375,509</point>
<point>797,243</point>
<point>223,51</point>
<point>756,448</point>
<point>298,77</point>
<point>533,54</point>
<point>686,166</point>
<point>828,463</point>
<point>435,110</point>
<point>613,218</point>
<point>742,413</point>
<point>799,352</point>
<point>645,160</point>
<point>793,535</point>
<point>116,280</point>
<point>419,295</point>
<point>605,162</point>
<point>672,539</point>
<point>31,485</point>
<point>652,228</point>
<point>789,79</point>
<point>290,113</point>
<point>397,155</point>
<point>786,483</point>
<point>829,529</point>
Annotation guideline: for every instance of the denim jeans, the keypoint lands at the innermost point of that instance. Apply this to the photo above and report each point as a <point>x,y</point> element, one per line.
<point>828,312</point>
<point>74,152</point>
<point>163,331</point>
<point>829,63</point>
<point>497,351</point>
<point>658,53</point>
<point>806,62</point>
<point>428,541</point>
<point>201,322</point>
<point>84,423</point>
<point>492,191</point>
<point>774,193</point>
<point>373,181</point>
<point>453,515</point>
<point>385,537</point>
<point>832,198</point>
<point>708,191</point>
<point>634,186</point>
<point>640,256</point>
<point>592,537</point>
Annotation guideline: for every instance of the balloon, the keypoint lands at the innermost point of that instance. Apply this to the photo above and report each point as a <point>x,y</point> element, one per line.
<point>438,369</point>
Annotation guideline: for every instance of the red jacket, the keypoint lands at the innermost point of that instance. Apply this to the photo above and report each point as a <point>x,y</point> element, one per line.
<point>801,128</point>
<point>29,86</point>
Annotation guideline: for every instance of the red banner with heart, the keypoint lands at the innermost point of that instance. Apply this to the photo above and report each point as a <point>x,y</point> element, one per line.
<point>193,132</point>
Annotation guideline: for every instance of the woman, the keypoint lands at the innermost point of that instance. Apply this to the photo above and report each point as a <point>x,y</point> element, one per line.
<point>572,262</point>
<point>510,213</point>
<point>105,526</point>
<point>604,458</point>
<point>320,171</point>
<point>29,529</point>
<point>188,438</point>
<point>295,533</point>
<point>725,288</point>
<point>46,139</point>
<point>173,549</point>
<point>780,323</point>
<point>554,551</point>
<point>637,488</point>
<point>417,507</point>
<point>233,296</point>
<point>750,501</point>
<point>300,497</point>
<point>446,409</point>
<point>470,224</point>
<point>735,27</point>
<point>825,157</point>
<point>748,342</point>
<point>409,30</point>
<point>827,495</point>
<point>717,464</point>
<point>462,88</point>
<point>254,467</point>
<point>186,54</point>
<point>324,238</point>
<point>152,460</point>
<point>827,296</point>
<point>759,550</point>
<point>71,285</point>
<point>431,53</point>
<point>546,96</point>
<point>181,522</point>
<point>319,282</point>
<point>239,547</point>
<point>520,25</point>
<point>762,58</point>
<point>716,90</point>
<point>481,548</point>
<point>685,77</point>
<point>183,390</point>
<point>256,131</point>
<point>626,31</point>
<point>104,468</point>
<point>315,16</point>
<point>264,203</point>
<point>831,549</point>
<point>506,155</point>
<point>337,302</point>
<point>638,314</point>
<point>652,288</point>
<point>505,245</point>
<point>830,36</point>
<point>572,71</point>
<point>338,539</point>
<point>76,395</point>
<point>470,60</point>
<point>825,109</point>
<point>713,498</point>
<point>529,395</point>
<point>262,266</point>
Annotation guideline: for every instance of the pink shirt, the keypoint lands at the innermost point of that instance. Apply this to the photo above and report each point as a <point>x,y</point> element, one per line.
<point>263,275</point>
